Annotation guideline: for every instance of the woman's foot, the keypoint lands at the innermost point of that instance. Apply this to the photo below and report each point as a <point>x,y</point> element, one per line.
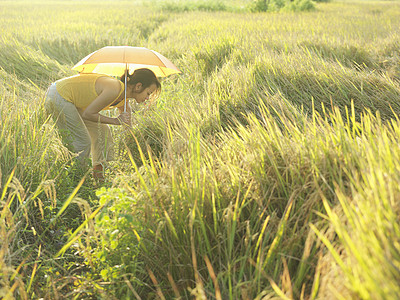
<point>98,173</point>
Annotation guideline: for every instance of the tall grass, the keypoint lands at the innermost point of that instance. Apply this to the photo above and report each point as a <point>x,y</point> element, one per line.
<point>31,155</point>
<point>268,168</point>
<point>241,210</point>
<point>36,175</point>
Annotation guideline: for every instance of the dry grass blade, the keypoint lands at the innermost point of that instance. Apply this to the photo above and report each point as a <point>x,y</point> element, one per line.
<point>174,286</point>
<point>213,278</point>
<point>154,280</point>
<point>131,288</point>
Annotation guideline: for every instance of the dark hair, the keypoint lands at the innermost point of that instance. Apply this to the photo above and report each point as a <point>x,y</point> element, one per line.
<point>146,77</point>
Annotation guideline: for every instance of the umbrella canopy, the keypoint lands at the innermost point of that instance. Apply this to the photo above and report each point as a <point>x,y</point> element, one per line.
<point>115,60</point>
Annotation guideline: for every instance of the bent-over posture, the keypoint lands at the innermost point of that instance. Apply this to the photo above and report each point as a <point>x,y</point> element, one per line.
<point>76,102</point>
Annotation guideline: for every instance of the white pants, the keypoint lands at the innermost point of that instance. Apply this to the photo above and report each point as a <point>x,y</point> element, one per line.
<point>87,136</point>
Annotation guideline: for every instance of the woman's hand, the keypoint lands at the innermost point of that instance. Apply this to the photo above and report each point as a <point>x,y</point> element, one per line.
<point>124,118</point>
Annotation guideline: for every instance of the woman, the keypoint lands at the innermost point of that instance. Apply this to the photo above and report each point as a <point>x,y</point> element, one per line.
<point>76,103</point>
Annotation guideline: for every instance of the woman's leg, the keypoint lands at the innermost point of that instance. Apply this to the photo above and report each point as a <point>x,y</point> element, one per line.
<point>102,146</point>
<point>69,120</point>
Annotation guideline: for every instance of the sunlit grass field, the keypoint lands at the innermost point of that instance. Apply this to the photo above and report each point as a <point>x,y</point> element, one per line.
<point>268,169</point>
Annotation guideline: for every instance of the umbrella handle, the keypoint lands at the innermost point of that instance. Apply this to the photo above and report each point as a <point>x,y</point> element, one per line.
<point>126,74</point>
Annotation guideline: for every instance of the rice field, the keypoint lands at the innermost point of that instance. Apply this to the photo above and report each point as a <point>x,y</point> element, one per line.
<point>268,169</point>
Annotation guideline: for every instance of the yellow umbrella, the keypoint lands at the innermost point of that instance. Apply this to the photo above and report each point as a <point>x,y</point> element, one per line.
<point>116,60</point>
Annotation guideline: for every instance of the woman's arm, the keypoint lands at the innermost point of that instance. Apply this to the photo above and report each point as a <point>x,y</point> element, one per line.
<point>109,89</point>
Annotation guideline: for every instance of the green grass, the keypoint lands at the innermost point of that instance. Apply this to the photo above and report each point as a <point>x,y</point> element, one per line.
<point>268,168</point>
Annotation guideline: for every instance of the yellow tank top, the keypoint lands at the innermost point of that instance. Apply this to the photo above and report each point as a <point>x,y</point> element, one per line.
<point>80,90</point>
